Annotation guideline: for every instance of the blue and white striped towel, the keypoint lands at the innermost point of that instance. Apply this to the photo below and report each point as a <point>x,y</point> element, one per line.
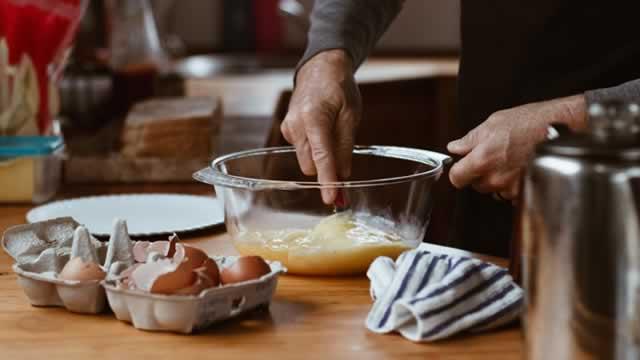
<point>427,296</point>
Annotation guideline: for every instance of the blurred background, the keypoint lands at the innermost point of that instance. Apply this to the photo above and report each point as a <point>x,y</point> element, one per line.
<point>424,26</point>
<point>241,51</point>
<point>153,90</point>
<point>241,56</point>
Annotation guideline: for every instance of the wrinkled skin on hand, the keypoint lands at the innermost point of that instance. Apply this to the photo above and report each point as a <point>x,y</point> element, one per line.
<point>496,152</point>
<point>323,114</point>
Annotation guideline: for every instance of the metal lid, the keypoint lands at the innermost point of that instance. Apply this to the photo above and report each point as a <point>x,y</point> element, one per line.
<point>613,132</point>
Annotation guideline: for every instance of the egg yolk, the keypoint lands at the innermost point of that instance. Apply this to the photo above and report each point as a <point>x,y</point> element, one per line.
<point>340,244</point>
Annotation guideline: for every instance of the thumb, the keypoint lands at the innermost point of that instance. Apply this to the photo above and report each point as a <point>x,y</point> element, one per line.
<point>463,145</point>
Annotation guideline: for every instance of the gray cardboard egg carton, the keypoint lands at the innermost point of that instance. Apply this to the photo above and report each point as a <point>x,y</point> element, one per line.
<point>42,249</point>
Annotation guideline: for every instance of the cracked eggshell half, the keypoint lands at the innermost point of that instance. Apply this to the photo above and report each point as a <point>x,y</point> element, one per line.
<point>186,313</point>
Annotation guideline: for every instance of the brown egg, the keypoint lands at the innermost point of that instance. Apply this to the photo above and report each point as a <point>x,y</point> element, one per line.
<point>244,269</point>
<point>78,269</point>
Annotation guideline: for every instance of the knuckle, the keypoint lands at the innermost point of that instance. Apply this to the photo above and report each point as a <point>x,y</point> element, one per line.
<point>482,161</point>
<point>496,116</point>
<point>320,155</point>
<point>284,129</point>
<point>471,138</point>
<point>496,182</point>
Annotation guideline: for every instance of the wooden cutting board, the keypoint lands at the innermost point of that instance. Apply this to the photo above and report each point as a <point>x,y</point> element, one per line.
<point>98,158</point>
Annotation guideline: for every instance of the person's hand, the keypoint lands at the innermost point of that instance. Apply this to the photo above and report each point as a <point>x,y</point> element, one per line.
<point>497,150</point>
<point>323,113</point>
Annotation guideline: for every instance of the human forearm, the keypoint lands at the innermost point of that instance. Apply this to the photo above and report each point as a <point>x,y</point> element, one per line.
<point>574,108</point>
<point>352,25</point>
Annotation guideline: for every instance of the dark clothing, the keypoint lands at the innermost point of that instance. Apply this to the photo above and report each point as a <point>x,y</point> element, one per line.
<point>513,53</point>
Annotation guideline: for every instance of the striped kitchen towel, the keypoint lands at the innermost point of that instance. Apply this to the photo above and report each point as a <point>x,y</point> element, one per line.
<point>427,295</point>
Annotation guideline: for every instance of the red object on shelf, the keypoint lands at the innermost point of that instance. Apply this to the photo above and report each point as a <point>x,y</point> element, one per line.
<point>268,25</point>
<point>43,30</point>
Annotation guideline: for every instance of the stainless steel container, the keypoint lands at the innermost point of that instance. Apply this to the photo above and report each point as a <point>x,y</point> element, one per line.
<point>581,241</point>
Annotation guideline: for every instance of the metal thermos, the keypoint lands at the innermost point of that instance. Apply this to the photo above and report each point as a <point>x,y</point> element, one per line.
<point>580,240</point>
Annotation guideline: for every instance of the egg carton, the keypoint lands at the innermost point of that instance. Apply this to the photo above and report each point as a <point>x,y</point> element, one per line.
<point>41,250</point>
<point>188,313</point>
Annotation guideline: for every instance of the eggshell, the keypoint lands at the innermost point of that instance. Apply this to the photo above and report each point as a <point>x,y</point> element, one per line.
<point>79,270</point>
<point>202,282</point>
<point>159,247</point>
<point>244,269</point>
<point>124,278</point>
<point>171,246</point>
<point>171,268</point>
<point>162,276</point>
<point>195,256</point>
<point>170,282</point>
<point>210,268</point>
<point>140,251</point>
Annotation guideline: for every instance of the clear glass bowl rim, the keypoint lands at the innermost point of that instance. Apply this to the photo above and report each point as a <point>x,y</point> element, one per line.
<point>214,176</point>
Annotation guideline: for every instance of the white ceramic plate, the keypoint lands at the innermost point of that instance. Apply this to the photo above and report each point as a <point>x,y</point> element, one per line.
<point>146,214</point>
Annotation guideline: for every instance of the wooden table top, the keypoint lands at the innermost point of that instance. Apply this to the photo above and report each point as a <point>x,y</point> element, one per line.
<point>309,318</point>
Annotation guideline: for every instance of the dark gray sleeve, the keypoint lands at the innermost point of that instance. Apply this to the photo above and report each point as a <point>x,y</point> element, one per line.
<point>352,25</point>
<point>628,92</point>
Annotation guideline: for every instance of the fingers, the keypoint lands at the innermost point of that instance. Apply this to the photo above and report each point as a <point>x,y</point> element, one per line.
<point>319,133</point>
<point>468,169</point>
<point>305,158</point>
<point>479,170</point>
<point>344,136</point>
<point>323,112</point>
<point>303,150</point>
<point>503,183</point>
<point>463,145</point>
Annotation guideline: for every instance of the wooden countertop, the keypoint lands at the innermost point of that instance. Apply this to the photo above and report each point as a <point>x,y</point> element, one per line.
<point>309,318</point>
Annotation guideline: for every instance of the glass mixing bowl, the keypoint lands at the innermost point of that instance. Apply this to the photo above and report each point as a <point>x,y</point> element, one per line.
<point>273,210</point>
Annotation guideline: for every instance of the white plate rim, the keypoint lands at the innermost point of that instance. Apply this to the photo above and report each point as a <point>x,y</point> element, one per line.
<point>31,214</point>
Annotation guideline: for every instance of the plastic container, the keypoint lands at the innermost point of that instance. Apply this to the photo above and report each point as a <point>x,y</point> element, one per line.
<point>30,168</point>
<point>275,211</point>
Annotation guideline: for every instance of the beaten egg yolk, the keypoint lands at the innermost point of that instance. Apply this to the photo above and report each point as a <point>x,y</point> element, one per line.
<point>340,244</point>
